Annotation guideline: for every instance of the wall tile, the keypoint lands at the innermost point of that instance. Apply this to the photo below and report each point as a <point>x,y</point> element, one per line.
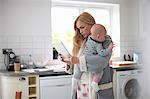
<point>26,39</point>
<point>37,46</point>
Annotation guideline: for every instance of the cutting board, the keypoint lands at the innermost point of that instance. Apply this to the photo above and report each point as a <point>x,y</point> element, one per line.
<point>123,63</point>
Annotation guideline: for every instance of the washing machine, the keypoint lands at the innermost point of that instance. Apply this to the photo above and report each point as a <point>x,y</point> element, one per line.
<point>127,84</point>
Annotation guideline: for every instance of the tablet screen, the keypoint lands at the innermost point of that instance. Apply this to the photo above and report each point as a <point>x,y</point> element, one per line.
<point>61,48</point>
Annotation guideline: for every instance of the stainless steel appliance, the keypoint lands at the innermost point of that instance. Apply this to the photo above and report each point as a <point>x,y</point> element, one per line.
<point>9,58</point>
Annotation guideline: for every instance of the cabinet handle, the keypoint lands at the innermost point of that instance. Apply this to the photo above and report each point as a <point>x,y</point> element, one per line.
<point>22,78</point>
<point>63,85</point>
<point>60,85</point>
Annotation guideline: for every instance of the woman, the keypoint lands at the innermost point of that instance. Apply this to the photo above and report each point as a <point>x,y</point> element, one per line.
<point>82,26</point>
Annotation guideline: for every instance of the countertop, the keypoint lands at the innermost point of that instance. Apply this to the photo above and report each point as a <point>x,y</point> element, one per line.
<point>126,67</point>
<point>51,69</point>
<point>51,73</point>
<point>23,73</point>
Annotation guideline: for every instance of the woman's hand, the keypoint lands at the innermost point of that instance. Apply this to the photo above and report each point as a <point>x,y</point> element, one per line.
<point>75,60</point>
<point>63,59</point>
<point>67,61</point>
<point>70,60</point>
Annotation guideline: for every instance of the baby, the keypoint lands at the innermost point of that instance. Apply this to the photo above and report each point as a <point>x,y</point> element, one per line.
<point>98,43</point>
<point>98,35</point>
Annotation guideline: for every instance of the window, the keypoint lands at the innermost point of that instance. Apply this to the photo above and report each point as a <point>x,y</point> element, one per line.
<point>65,12</point>
<point>62,24</point>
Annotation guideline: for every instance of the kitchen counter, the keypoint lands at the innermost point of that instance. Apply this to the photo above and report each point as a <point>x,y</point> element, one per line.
<point>12,73</point>
<point>32,82</point>
<point>124,68</point>
<point>125,65</point>
<point>52,68</point>
<point>23,73</point>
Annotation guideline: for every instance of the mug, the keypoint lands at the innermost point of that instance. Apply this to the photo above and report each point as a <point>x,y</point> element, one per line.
<point>17,67</point>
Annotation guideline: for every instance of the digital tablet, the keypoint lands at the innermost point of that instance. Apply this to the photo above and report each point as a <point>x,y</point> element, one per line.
<point>61,49</point>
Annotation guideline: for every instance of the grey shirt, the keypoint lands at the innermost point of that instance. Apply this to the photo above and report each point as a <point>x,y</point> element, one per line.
<point>93,47</point>
<point>96,63</point>
<point>100,54</point>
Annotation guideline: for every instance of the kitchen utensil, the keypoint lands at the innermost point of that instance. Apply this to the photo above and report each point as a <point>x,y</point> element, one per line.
<point>9,58</point>
<point>127,57</point>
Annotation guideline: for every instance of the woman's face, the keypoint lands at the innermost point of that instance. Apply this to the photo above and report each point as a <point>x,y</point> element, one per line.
<point>84,28</point>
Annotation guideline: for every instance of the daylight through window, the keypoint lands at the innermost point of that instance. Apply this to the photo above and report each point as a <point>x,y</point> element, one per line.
<point>63,15</point>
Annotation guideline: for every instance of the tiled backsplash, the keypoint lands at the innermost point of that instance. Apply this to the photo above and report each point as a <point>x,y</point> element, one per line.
<point>38,46</point>
<point>128,45</point>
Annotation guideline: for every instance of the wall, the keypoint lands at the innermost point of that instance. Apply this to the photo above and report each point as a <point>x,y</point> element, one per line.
<point>1,30</point>
<point>102,1</point>
<point>144,45</point>
<point>0,39</point>
<point>0,18</point>
<point>129,17</point>
<point>26,28</point>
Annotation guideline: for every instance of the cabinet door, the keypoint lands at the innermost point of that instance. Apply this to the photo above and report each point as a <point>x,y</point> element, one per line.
<point>55,88</point>
<point>12,84</point>
<point>56,92</point>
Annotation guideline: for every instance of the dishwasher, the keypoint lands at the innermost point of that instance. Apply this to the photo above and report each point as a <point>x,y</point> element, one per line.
<point>55,87</point>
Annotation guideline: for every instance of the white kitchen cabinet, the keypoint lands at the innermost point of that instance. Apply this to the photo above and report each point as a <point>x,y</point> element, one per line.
<point>28,85</point>
<point>55,87</point>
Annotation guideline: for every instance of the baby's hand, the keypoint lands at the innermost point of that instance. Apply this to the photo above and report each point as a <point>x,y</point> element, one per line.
<point>111,45</point>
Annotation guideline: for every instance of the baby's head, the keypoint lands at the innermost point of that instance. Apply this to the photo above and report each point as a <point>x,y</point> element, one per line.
<point>98,32</point>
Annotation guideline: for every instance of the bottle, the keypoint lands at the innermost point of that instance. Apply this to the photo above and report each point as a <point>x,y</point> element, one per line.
<point>31,62</point>
<point>18,95</point>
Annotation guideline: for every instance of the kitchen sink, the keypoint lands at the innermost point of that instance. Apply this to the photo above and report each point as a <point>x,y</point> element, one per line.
<point>28,70</point>
<point>36,70</point>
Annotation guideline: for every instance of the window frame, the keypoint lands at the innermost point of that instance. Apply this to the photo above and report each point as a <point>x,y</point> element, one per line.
<point>114,11</point>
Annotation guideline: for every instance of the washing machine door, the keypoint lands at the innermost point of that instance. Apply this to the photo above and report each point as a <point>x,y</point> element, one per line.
<point>131,89</point>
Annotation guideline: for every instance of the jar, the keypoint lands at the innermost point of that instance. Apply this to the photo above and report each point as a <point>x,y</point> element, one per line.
<point>17,65</point>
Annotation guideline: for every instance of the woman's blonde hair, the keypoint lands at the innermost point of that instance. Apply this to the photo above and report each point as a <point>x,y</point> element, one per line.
<point>78,38</point>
